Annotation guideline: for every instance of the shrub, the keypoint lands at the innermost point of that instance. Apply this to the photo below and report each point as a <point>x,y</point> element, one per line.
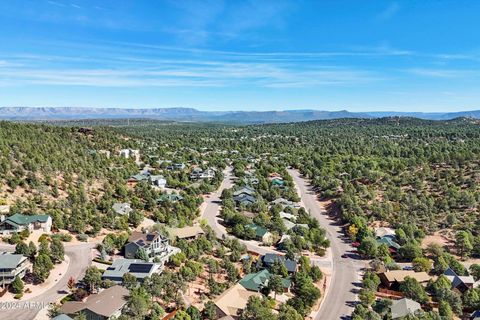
<point>82,237</point>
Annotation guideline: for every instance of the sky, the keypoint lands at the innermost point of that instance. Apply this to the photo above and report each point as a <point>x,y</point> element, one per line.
<point>241,55</point>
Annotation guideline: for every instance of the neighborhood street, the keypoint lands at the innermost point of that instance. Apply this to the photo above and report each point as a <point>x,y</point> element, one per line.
<point>211,210</point>
<point>80,259</point>
<point>341,295</point>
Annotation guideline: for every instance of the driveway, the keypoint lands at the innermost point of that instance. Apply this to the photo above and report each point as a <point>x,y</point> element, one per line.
<point>80,259</point>
<point>340,298</point>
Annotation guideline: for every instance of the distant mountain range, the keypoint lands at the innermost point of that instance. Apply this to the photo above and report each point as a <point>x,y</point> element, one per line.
<point>194,115</point>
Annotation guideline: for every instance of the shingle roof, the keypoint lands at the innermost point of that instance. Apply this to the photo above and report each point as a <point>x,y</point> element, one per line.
<point>259,231</point>
<point>389,242</point>
<point>10,260</point>
<point>106,303</point>
<point>22,220</point>
<point>400,275</point>
<point>458,280</point>
<point>256,281</point>
<point>234,299</point>
<point>62,317</point>
<point>270,258</point>
<point>404,307</point>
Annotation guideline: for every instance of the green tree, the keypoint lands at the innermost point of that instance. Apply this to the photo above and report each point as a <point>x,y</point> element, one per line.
<point>475,271</point>
<point>22,248</point>
<point>182,315</point>
<point>367,297</point>
<point>32,249</point>
<point>256,309</point>
<point>422,264</point>
<point>275,284</point>
<point>42,266</point>
<point>368,247</point>
<point>17,285</point>
<point>142,255</point>
<point>129,281</point>
<point>287,312</point>
<point>93,278</point>
<point>445,310</point>
<point>194,313</point>
<point>412,289</point>
<point>209,311</point>
<point>463,243</point>
<point>57,251</point>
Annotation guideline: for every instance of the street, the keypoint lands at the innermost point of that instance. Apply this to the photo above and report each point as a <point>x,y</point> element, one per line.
<point>80,259</point>
<point>340,298</point>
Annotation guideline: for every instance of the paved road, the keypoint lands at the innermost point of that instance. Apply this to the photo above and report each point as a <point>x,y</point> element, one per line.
<point>211,211</point>
<point>341,295</point>
<point>80,259</point>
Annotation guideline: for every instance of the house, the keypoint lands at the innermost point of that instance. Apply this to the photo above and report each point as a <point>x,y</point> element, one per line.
<point>475,315</point>
<point>245,190</point>
<point>404,307</point>
<point>251,180</point>
<point>384,232</point>
<point>244,200</point>
<point>158,181</point>
<point>278,182</point>
<point>188,233</point>
<point>122,209</point>
<point>62,316</point>
<point>169,197</point>
<point>233,301</point>
<point>267,261</point>
<point>391,244</point>
<point>138,268</point>
<point>289,216</point>
<point>136,178</point>
<point>284,203</point>
<point>198,173</point>
<point>19,222</point>
<point>129,153</point>
<point>12,266</point>
<point>261,234</point>
<point>107,304</point>
<point>155,245</point>
<point>392,279</point>
<point>460,283</point>
<point>176,166</point>
<point>259,280</point>
<point>288,224</point>
<point>282,240</point>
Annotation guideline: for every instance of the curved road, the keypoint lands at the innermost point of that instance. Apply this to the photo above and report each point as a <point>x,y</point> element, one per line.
<point>80,259</point>
<point>211,210</point>
<point>341,296</point>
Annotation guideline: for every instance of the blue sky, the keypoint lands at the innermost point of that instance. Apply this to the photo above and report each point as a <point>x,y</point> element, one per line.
<point>241,55</point>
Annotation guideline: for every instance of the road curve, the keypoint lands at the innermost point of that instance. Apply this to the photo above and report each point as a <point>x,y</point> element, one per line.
<point>340,297</point>
<point>80,259</point>
<point>211,210</point>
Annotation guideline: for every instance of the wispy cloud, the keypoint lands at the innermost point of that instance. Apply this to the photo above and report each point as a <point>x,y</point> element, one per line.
<point>390,11</point>
<point>442,73</point>
<point>193,74</point>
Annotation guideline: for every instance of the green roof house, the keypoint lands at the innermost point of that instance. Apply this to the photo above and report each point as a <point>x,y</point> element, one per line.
<point>173,197</point>
<point>19,222</point>
<point>259,280</point>
<point>261,233</point>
